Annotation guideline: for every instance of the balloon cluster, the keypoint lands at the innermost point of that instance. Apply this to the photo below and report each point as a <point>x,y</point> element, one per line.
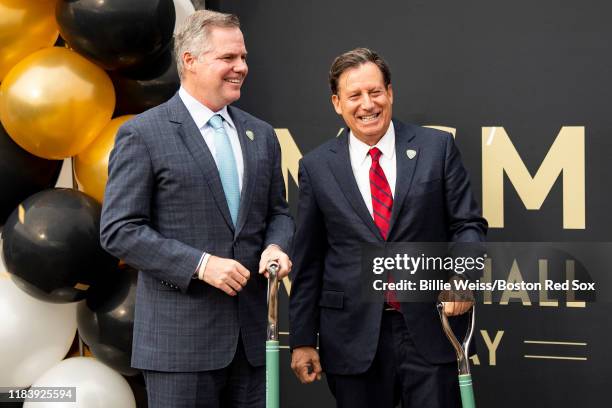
<point>71,73</point>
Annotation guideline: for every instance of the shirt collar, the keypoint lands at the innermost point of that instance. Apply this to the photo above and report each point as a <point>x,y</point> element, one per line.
<point>200,113</point>
<point>386,145</point>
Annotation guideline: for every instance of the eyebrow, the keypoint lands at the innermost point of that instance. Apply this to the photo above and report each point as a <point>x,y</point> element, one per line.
<point>232,53</point>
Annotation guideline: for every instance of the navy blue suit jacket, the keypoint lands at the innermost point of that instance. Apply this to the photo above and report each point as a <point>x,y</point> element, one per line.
<point>164,205</point>
<point>433,202</point>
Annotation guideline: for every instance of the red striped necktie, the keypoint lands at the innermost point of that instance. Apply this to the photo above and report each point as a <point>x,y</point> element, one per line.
<point>382,204</point>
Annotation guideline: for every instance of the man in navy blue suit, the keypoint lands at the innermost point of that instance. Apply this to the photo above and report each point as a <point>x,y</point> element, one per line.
<point>196,201</point>
<point>380,181</point>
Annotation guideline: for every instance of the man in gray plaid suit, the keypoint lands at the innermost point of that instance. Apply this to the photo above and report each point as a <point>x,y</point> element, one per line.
<point>196,201</point>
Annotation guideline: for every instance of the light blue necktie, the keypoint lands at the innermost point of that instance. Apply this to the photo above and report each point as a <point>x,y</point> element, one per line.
<point>226,163</point>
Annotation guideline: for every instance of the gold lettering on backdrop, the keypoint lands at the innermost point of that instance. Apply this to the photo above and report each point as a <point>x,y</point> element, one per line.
<point>492,345</point>
<point>570,275</point>
<point>565,158</point>
<point>290,160</point>
<point>515,277</point>
<point>487,277</point>
<point>291,156</point>
<point>543,273</point>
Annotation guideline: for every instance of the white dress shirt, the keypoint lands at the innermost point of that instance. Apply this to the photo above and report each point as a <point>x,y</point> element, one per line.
<point>361,162</point>
<point>201,114</point>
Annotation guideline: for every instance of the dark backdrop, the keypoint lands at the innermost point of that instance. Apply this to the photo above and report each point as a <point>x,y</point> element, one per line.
<point>531,67</point>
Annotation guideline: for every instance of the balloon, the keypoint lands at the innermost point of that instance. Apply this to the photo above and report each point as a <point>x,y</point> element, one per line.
<point>21,174</point>
<point>116,34</point>
<point>182,9</point>
<point>97,386</point>
<point>25,26</point>
<point>106,320</point>
<point>144,88</point>
<point>91,165</point>
<point>137,383</point>
<point>65,178</point>
<point>52,245</point>
<point>54,103</point>
<point>34,335</point>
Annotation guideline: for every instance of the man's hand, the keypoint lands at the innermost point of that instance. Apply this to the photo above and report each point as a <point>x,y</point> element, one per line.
<point>456,308</point>
<point>456,301</point>
<point>226,274</point>
<point>275,253</point>
<point>305,364</point>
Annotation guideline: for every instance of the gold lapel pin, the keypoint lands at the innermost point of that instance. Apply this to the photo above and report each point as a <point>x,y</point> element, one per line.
<point>250,134</point>
<point>411,153</point>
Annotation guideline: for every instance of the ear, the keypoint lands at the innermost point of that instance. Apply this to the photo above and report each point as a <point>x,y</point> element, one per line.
<point>336,102</point>
<point>390,92</point>
<point>188,60</point>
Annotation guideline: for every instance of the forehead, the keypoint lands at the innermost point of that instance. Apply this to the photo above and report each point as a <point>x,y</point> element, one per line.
<point>226,39</point>
<point>366,75</point>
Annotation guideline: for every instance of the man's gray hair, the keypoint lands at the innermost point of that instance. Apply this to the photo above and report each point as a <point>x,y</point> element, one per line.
<point>193,35</point>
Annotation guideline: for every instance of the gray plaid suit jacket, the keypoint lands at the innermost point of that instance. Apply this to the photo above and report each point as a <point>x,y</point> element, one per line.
<point>163,206</point>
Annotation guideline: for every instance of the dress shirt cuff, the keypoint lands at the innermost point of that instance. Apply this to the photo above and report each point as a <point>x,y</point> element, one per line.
<point>202,266</point>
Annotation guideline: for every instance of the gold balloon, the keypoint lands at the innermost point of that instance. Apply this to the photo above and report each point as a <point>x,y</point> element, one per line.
<point>54,102</point>
<point>25,26</point>
<point>91,165</point>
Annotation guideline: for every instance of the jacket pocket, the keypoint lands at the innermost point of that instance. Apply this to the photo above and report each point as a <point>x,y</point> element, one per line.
<point>332,299</point>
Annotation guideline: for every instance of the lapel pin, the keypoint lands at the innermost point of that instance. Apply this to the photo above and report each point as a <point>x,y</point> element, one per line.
<point>411,153</point>
<point>250,134</point>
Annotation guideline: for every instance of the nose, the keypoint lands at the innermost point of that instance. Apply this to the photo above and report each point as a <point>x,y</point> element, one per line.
<point>366,102</point>
<point>241,67</point>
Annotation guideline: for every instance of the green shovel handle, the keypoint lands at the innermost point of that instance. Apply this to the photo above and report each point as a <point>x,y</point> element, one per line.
<point>272,385</point>
<point>467,391</point>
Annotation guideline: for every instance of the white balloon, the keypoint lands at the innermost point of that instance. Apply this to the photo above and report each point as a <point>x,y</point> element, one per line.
<point>97,385</point>
<point>183,8</point>
<point>34,335</point>
<point>65,177</point>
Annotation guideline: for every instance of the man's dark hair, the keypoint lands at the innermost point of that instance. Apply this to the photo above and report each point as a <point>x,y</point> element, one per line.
<point>354,58</point>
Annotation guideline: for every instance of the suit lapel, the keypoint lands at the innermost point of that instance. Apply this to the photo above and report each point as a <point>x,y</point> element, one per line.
<point>404,141</point>
<point>249,155</point>
<point>192,137</point>
<point>340,164</point>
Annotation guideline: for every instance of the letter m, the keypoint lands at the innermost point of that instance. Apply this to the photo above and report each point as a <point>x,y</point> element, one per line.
<point>565,158</point>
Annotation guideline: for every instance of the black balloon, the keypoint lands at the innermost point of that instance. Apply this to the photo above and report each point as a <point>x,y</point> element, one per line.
<point>116,34</point>
<point>51,245</point>
<point>140,89</point>
<point>106,320</point>
<point>22,174</point>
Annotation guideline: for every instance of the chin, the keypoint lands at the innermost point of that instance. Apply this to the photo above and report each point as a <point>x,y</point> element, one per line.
<point>377,131</point>
<point>233,96</point>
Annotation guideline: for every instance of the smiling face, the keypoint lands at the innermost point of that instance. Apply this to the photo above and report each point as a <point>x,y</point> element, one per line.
<point>216,76</point>
<point>364,102</point>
